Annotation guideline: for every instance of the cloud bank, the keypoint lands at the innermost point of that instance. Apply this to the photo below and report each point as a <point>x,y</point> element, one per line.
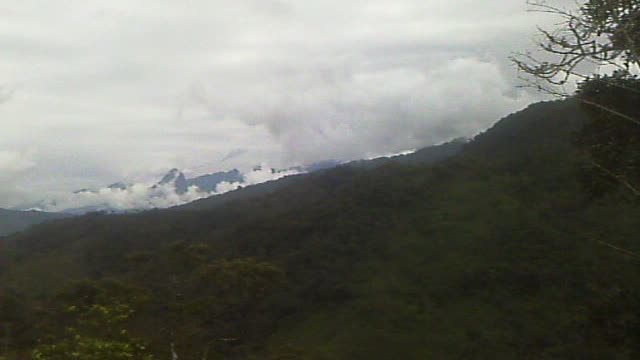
<point>144,196</point>
<point>102,91</point>
<point>13,166</point>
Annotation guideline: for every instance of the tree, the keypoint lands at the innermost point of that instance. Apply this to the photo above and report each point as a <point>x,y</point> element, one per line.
<point>612,142</point>
<point>14,323</point>
<point>99,312</point>
<point>231,300</point>
<point>601,35</point>
<point>596,47</point>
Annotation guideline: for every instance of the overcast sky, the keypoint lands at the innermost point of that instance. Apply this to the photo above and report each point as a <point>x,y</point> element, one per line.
<point>92,92</point>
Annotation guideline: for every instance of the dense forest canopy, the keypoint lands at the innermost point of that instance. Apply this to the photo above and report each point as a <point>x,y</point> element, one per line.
<point>521,243</point>
<point>494,253</point>
<point>597,47</point>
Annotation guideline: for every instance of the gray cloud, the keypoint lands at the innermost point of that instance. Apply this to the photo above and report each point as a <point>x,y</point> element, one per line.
<point>128,89</point>
<point>6,93</point>
<point>14,165</point>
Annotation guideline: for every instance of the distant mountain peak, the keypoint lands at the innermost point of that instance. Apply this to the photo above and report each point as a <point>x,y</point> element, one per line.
<point>176,178</point>
<point>209,182</point>
<point>118,185</point>
<point>171,176</point>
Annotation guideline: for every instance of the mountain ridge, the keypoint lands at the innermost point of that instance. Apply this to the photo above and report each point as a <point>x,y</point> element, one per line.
<point>485,254</point>
<point>12,221</point>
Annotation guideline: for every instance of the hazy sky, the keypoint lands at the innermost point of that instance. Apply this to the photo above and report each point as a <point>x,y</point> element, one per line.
<point>92,92</point>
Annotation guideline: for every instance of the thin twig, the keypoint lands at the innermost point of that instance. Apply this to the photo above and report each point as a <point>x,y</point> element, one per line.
<point>619,178</point>
<point>619,249</point>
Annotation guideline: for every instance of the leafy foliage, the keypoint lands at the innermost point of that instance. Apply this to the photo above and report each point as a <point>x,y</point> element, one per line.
<point>96,314</point>
<point>612,136</point>
<point>495,253</point>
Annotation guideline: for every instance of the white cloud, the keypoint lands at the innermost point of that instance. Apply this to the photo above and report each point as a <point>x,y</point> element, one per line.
<point>259,175</point>
<point>13,166</point>
<point>149,195</point>
<point>137,196</point>
<point>120,89</point>
<point>13,163</point>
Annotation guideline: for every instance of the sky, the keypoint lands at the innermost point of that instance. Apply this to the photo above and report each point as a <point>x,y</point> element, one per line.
<point>94,92</point>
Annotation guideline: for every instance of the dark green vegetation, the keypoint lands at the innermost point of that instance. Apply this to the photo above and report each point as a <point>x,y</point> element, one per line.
<point>426,156</point>
<point>613,137</point>
<point>15,221</point>
<point>499,252</point>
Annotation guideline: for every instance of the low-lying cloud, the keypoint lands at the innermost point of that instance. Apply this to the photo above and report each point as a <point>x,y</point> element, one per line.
<point>143,196</point>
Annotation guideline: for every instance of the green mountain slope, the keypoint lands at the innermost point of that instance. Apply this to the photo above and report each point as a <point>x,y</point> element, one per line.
<point>15,221</point>
<point>426,156</point>
<point>494,253</point>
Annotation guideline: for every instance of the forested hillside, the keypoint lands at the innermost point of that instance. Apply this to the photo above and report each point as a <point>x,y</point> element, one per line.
<point>15,221</point>
<point>498,252</point>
